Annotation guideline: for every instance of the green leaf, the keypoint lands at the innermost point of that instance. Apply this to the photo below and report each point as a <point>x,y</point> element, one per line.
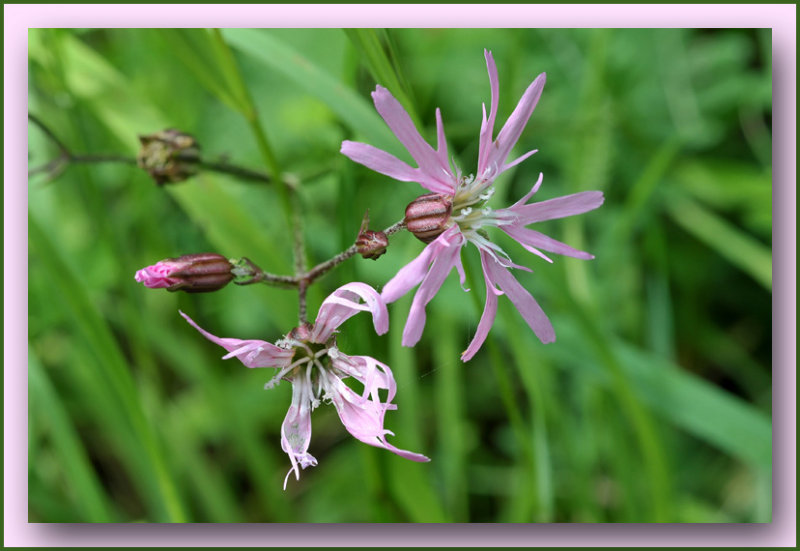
<point>79,473</point>
<point>742,250</point>
<point>354,110</point>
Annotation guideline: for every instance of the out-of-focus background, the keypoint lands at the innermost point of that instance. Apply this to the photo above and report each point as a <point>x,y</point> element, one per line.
<point>653,404</point>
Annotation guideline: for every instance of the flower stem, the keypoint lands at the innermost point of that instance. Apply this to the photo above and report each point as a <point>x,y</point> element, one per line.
<point>287,194</point>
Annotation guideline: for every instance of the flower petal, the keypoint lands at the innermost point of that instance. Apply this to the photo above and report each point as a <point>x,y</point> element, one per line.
<point>371,373</point>
<point>410,275</point>
<point>433,281</point>
<point>441,140</point>
<point>488,315</point>
<point>252,353</point>
<point>343,303</point>
<point>487,125</point>
<point>560,207</point>
<point>430,163</point>
<point>389,165</point>
<point>296,430</point>
<point>530,194</point>
<point>529,239</point>
<point>364,418</point>
<point>527,306</point>
<point>507,137</point>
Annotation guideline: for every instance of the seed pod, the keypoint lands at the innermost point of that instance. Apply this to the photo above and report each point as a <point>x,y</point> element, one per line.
<point>428,216</point>
<point>193,273</point>
<point>169,156</point>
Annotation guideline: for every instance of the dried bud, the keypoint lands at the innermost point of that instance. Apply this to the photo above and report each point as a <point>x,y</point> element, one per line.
<point>428,216</point>
<point>193,273</point>
<point>169,156</point>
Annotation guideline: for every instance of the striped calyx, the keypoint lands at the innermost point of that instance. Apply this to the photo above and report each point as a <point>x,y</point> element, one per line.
<point>428,216</point>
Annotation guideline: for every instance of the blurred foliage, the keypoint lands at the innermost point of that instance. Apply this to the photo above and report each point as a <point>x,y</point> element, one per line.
<point>652,405</point>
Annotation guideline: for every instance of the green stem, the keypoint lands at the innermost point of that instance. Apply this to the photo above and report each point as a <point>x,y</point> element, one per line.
<point>288,197</point>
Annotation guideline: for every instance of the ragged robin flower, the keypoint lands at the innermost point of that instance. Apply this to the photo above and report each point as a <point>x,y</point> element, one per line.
<point>309,358</point>
<point>457,211</point>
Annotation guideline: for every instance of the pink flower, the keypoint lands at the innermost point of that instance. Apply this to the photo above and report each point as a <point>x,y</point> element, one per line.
<point>309,359</point>
<point>464,200</point>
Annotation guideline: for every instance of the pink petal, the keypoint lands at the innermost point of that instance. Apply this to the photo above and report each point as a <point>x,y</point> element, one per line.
<point>343,303</point>
<point>296,431</point>
<point>371,373</point>
<point>529,239</point>
<point>441,140</point>
<point>507,137</point>
<point>530,194</point>
<point>252,353</point>
<point>560,207</point>
<point>410,275</point>
<point>489,313</point>
<point>527,306</point>
<point>403,127</point>
<point>441,267</point>
<point>364,419</point>
<point>157,276</point>
<point>487,125</point>
<point>389,165</point>
<point>518,160</point>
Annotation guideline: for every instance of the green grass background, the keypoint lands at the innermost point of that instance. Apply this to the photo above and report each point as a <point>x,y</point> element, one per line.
<point>653,405</point>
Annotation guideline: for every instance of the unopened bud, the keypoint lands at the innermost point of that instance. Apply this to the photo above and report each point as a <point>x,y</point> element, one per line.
<point>428,216</point>
<point>371,244</point>
<point>193,273</point>
<point>169,156</point>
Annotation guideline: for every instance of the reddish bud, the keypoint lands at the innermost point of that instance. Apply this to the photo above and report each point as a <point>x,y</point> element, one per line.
<point>193,273</point>
<point>428,216</point>
<point>371,244</point>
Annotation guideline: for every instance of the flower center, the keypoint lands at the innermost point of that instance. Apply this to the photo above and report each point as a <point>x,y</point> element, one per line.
<point>470,210</point>
<point>310,367</point>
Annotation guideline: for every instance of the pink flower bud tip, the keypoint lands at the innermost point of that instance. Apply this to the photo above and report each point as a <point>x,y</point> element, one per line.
<point>193,273</point>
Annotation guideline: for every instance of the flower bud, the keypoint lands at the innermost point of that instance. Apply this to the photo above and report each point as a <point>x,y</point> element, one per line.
<point>371,244</point>
<point>428,216</point>
<point>193,273</point>
<point>169,156</point>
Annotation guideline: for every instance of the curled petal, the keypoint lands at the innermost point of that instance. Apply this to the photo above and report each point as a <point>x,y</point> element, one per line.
<point>296,430</point>
<point>560,207</point>
<point>364,418</point>
<point>527,306</point>
<point>252,353</point>
<point>371,373</point>
<point>344,303</point>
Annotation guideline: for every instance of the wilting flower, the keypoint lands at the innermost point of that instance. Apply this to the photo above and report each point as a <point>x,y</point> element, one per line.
<point>309,359</point>
<point>456,212</point>
<point>193,273</point>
